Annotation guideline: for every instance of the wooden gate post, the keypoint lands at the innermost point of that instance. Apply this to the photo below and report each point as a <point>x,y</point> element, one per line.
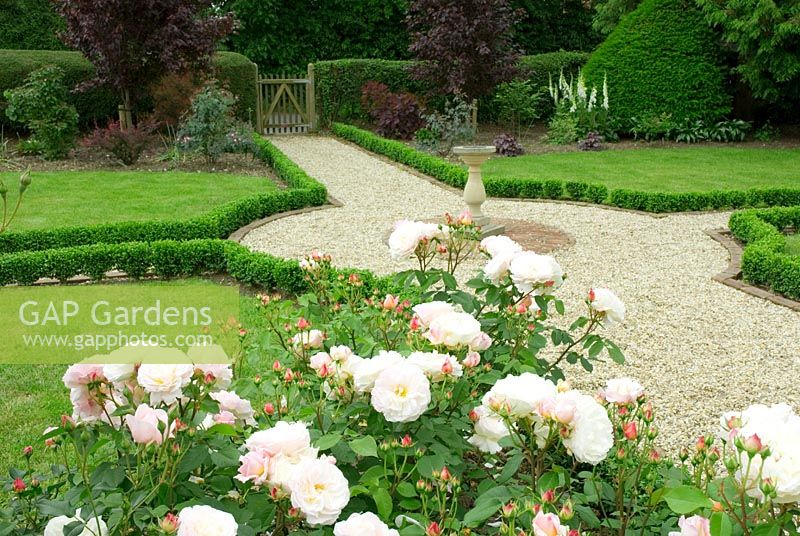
<point>311,99</point>
<point>259,104</point>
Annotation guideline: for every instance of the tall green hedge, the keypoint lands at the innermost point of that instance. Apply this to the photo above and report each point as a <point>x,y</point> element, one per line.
<point>97,105</point>
<point>662,58</point>
<point>30,25</point>
<point>339,82</point>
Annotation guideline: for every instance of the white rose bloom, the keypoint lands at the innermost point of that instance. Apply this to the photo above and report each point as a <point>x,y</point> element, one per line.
<point>778,428</point>
<point>622,390</point>
<point>366,524</point>
<point>434,363</point>
<point>320,491</point>
<point>591,436</point>
<point>203,520</point>
<point>319,360</point>
<point>242,409</point>
<point>499,244</point>
<point>407,235</point>
<point>453,330</point>
<point>368,370</point>
<point>164,383</point>
<point>427,312</point>
<point>607,302</point>
<point>521,394</point>
<point>529,270</point>
<point>291,439</point>
<point>92,526</point>
<point>497,267</point>
<point>346,369</point>
<point>340,353</point>
<point>309,339</point>
<point>222,373</point>
<point>119,372</point>
<point>489,430</point>
<point>401,393</point>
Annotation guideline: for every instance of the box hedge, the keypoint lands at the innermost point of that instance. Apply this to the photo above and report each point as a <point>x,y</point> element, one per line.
<point>764,260</point>
<point>456,176</point>
<point>662,58</point>
<point>220,222</point>
<point>98,105</point>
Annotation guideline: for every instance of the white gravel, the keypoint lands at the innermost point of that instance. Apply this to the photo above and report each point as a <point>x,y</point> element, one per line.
<point>699,347</point>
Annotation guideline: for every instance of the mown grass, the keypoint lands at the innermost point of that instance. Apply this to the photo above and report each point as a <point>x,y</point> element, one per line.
<point>668,169</point>
<point>33,397</point>
<point>66,198</point>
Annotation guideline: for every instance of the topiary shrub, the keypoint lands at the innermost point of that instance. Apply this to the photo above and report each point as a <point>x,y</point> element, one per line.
<point>662,58</point>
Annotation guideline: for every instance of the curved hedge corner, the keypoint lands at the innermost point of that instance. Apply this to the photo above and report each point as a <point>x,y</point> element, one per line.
<point>98,105</point>
<point>764,261</point>
<point>657,202</point>
<point>218,223</point>
<point>662,58</point>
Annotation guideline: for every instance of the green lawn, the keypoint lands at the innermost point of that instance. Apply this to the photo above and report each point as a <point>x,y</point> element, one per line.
<point>683,169</point>
<point>57,199</point>
<point>793,244</point>
<point>34,397</point>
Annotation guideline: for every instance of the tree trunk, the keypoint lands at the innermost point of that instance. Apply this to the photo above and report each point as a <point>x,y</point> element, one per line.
<point>125,116</point>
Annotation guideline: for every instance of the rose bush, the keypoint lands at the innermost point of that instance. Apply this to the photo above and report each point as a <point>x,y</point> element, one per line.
<point>426,411</point>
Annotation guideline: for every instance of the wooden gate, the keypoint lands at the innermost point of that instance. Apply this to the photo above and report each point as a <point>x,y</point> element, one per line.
<point>286,105</point>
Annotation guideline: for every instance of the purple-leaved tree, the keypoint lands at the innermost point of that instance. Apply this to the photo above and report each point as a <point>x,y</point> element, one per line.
<point>464,46</point>
<point>134,43</point>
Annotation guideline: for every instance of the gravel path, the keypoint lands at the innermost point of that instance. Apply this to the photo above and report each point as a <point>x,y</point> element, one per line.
<point>699,347</point>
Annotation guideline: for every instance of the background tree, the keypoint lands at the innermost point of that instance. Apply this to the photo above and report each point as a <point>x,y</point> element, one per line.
<point>133,44</point>
<point>608,13</point>
<point>465,45</point>
<point>552,25</point>
<point>766,35</point>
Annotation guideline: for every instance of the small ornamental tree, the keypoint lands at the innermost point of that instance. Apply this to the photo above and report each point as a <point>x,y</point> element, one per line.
<point>133,44</point>
<point>464,46</point>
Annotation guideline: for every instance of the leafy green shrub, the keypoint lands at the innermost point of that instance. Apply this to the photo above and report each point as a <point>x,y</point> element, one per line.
<point>662,58</point>
<point>207,128</point>
<point>451,126</point>
<point>99,105</point>
<point>653,127</point>
<point>40,104</point>
<point>563,128</point>
<point>517,104</point>
<point>767,132</point>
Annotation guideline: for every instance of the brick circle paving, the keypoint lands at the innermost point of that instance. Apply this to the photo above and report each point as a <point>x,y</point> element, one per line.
<point>536,236</point>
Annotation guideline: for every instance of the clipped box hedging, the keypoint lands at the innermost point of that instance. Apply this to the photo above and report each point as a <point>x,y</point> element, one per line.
<point>220,222</point>
<point>528,188</point>
<point>764,261</point>
<point>98,105</point>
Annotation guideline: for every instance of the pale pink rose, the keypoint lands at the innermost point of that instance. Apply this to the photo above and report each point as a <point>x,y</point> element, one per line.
<point>309,339</point>
<point>622,391</point>
<point>530,272</point>
<point>608,305</point>
<point>147,425</point>
<point>473,359</point>
<point>454,330</point>
<point>481,342</point>
<point>693,526</point>
<point>428,312</point>
<point>202,520</point>
<point>225,417</point>
<point>221,373</point>
<point>255,467</point>
<point>84,405</point>
<point>319,360</point>
<point>240,408</point>
<point>340,353</point>
<point>497,267</point>
<point>499,244</point>
<point>548,525</point>
<point>79,375</point>
<point>164,383</point>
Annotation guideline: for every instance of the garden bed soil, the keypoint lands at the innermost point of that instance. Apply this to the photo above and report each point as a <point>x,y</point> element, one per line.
<point>85,159</point>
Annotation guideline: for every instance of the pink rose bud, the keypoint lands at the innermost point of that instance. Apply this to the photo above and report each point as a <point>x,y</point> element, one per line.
<point>549,496</point>
<point>472,359</point>
<point>294,512</point>
<point>276,366</point>
<point>442,249</point>
<point>630,431</point>
<point>591,294</point>
<point>566,512</point>
<point>473,416</point>
<point>433,529</point>
<point>465,218</point>
<point>521,309</point>
<point>415,324</point>
<point>27,451</point>
<point>323,371</point>
<point>509,508</point>
<point>406,441</point>
<point>445,474</point>
<point>716,506</point>
<point>573,532</point>
<point>269,408</point>
<point>700,444</point>
<point>447,368</point>
<point>390,302</point>
<point>303,323</point>
<point>288,375</point>
<point>18,485</point>
<point>242,332</point>
<point>67,422</point>
<point>752,445</point>
<point>169,524</point>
